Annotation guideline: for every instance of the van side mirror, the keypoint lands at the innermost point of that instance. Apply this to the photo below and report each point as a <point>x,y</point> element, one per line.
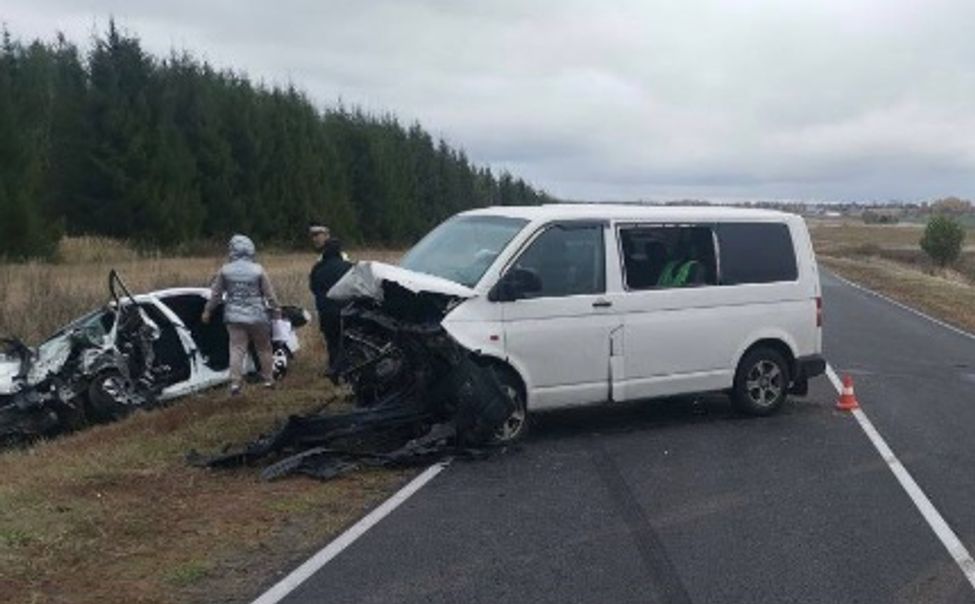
<point>516,284</point>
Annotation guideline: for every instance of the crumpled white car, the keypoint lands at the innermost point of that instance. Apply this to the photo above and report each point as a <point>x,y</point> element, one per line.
<point>135,352</point>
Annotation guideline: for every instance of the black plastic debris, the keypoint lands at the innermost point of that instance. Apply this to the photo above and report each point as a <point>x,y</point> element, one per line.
<point>420,397</point>
<point>458,414</point>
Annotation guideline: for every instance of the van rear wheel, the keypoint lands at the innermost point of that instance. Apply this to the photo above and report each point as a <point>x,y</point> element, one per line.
<point>761,382</point>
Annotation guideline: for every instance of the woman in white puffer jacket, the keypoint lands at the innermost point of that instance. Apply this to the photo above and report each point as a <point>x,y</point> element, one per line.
<point>249,300</point>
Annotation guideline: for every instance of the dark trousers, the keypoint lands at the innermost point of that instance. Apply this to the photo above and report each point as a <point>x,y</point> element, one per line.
<point>331,326</point>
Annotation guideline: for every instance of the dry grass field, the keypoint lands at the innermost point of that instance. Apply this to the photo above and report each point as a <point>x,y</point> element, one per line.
<point>888,259</point>
<point>113,513</point>
<point>833,234</point>
<point>37,298</point>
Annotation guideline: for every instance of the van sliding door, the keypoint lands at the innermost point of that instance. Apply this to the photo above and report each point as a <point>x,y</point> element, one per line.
<point>673,320</point>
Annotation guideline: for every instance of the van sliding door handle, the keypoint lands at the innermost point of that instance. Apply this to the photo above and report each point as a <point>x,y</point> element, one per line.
<point>602,304</point>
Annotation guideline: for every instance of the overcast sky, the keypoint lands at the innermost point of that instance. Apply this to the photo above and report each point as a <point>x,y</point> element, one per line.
<point>719,99</point>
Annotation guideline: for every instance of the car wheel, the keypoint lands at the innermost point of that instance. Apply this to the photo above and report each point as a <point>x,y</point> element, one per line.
<point>761,382</point>
<point>111,395</point>
<point>281,357</point>
<point>515,426</point>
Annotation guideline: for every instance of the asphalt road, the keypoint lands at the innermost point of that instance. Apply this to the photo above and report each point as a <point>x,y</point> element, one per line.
<point>683,501</point>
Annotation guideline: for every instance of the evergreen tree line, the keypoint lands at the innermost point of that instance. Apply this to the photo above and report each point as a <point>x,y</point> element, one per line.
<point>164,152</point>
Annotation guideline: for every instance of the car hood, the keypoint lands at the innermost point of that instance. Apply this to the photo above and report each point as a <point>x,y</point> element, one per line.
<point>48,358</point>
<point>365,280</point>
<point>15,358</point>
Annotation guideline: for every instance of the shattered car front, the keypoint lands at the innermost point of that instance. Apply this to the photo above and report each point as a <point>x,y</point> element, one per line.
<point>420,394</point>
<point>422,388</point>
<point>397,342</point>
<point>397,351</point>
<point>393,340</point>
<point>71,375</point>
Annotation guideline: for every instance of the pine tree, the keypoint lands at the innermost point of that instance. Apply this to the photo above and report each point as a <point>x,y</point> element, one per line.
<point>164,152</point>
<point>26,228</point>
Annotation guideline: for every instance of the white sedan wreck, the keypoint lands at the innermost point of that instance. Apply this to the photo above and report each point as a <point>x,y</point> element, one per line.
<point>136,352</point>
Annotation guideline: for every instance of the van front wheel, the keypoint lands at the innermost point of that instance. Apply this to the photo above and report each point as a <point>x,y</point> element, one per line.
<point>515,426</point>
<point>761,382</point>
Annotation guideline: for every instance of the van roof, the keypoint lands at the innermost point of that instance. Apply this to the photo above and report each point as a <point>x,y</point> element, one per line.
<point>624,212</point>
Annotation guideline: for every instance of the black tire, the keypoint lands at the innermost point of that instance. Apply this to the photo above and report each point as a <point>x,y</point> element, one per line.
<point>761,382</point>
<point>111,396</point>
<point>281,357</point>
<point>516,426</point>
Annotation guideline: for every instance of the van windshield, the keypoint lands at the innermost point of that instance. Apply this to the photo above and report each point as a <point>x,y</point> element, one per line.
<point>462,248</point>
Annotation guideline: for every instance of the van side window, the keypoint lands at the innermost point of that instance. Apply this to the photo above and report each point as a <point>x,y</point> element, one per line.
<point>668,256</point>
<point>569,260</point>
<point>756,253</point>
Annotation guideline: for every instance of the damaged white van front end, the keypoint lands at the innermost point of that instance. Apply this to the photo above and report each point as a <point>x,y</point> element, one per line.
<point>401,341</point>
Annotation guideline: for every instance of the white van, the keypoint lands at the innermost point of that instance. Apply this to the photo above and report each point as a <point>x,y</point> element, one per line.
<point>580,304</point>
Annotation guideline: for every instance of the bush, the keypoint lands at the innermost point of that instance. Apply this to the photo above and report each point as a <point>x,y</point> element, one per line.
<point>943,239</point>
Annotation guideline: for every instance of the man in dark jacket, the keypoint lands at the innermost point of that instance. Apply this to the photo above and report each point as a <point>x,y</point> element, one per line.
<point>327,271</point>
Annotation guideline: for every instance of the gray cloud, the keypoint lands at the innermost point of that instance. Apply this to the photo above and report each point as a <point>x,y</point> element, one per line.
<point>734,99</point>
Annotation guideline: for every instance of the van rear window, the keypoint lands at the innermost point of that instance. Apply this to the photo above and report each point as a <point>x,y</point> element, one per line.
<point>756,253</point>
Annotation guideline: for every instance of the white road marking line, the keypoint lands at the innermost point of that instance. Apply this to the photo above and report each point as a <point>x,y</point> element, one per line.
<point>903,306</point>
<point>285,586</point>
<point>956,549</point>
<point>834,378</point>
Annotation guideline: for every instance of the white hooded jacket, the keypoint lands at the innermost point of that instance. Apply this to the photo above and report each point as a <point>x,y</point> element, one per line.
<point>243,285</point>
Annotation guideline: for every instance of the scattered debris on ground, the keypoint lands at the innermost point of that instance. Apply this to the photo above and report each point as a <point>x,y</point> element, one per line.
<point>421,396</point>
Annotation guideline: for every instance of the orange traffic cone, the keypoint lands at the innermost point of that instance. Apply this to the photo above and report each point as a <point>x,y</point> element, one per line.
<point>848,400</point>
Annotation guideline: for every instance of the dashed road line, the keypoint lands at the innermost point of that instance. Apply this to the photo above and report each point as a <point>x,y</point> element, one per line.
<point>835,379</point>
<point>956,549</point>
<point>298,576</point>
